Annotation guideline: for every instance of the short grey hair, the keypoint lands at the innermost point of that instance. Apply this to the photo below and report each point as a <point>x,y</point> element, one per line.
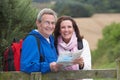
<point>46,11</point>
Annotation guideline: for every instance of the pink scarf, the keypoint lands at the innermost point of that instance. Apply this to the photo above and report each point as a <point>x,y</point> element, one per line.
<point>71,46</point>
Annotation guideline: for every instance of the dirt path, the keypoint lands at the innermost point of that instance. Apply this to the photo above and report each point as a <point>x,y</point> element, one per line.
<point>91,28</point>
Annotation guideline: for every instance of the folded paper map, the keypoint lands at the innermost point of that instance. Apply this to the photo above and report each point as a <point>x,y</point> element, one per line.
<point>66,58</point>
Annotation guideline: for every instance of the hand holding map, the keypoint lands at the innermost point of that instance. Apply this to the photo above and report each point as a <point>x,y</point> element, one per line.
<point>66,58</point>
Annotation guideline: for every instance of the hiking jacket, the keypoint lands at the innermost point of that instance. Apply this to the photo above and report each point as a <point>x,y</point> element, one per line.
<point>30,56</point>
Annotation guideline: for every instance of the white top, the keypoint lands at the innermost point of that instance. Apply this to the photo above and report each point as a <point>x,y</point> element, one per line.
<point>86,54</point>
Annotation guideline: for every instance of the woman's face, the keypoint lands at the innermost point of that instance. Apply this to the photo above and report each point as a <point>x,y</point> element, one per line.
<point>66,30</point>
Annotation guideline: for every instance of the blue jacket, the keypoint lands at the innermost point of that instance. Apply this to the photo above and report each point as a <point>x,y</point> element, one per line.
<point>30,56</point>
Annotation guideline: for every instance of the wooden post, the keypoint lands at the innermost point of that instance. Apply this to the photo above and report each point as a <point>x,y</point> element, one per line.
<point>35,76</point>
<point>118,68</point>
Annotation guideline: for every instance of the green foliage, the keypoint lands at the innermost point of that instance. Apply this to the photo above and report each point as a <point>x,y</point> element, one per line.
<point>73,8</point>
<point>108,47</point>
<point>17,17</point>
<point>82,8</point>
<point>85,8</point>
<point>104,6</point>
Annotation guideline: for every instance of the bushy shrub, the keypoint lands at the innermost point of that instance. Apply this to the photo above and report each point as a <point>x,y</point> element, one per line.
<point>109,46</point>
<point>73,8</point>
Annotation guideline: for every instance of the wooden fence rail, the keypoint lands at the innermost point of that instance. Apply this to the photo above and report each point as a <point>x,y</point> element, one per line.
<point>63,75</point>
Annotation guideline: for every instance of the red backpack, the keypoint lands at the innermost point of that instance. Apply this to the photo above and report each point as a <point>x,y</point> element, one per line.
<point>11,56</point>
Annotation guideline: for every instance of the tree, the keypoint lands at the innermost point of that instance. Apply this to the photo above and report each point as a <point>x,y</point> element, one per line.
<point>108,47</point>
<point>17,17</point>
<point>73,8</point>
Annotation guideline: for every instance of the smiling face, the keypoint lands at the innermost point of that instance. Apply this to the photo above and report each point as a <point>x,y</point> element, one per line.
<point>47,25</point>
<point>66,30</point>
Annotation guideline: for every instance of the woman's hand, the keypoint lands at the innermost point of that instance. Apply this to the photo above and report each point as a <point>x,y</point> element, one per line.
<point>79,61</point>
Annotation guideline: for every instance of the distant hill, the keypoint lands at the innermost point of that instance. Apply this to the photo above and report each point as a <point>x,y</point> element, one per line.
<point>91,27</point>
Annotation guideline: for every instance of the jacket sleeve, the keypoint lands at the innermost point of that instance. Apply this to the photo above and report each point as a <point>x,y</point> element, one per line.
<point>30,57</point>
<point>86,54</point>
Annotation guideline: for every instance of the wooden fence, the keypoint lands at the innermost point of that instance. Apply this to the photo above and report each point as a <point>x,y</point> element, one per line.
<point>63,75</point>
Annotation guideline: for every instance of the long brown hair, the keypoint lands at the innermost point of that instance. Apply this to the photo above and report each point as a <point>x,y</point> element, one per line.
<point>57,28</point>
